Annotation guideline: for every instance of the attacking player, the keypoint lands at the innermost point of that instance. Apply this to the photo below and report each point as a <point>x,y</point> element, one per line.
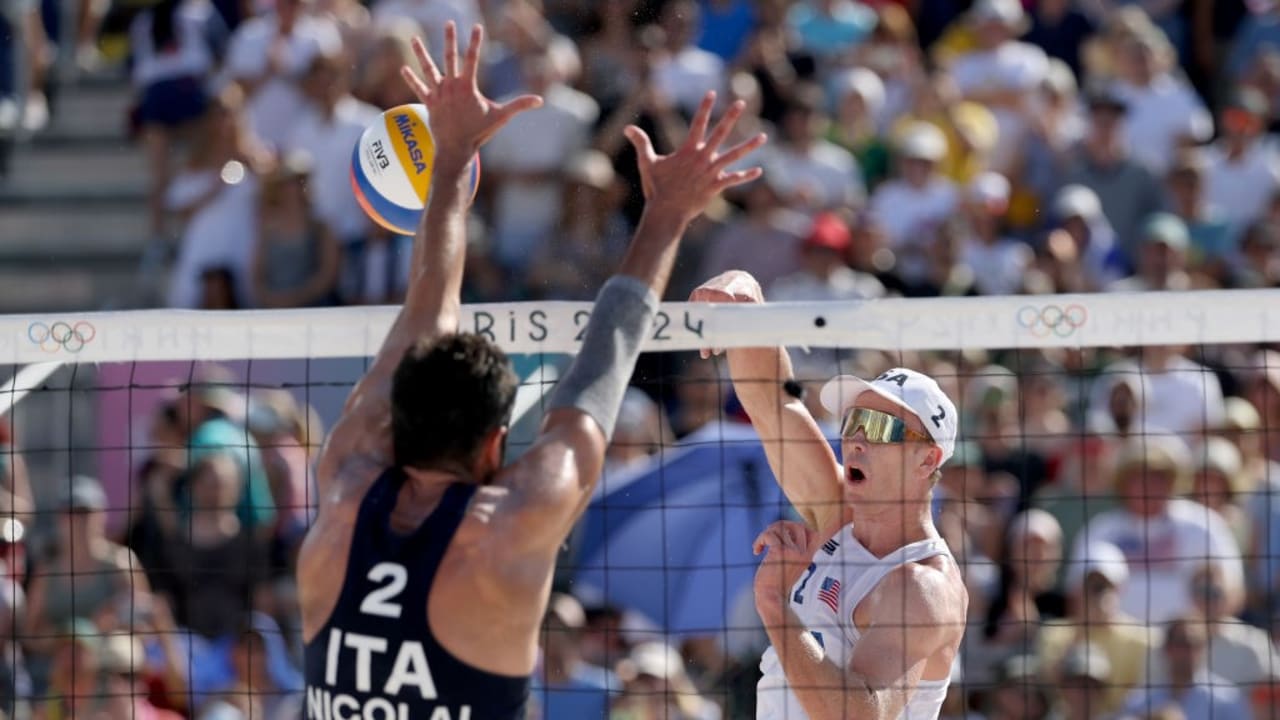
<point>863,603</point>
<point>426,575</point>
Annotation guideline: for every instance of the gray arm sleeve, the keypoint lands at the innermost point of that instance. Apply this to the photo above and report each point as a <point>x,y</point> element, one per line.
<point>598,378</point>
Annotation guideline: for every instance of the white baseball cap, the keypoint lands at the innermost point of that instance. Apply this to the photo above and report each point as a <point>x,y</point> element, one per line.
<point>915,392</point>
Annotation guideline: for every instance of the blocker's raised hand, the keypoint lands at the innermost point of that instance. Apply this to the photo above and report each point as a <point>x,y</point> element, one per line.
<point>686,181</point>
<point>462,118</point>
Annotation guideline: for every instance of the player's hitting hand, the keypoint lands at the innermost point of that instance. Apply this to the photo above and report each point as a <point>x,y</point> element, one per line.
<point>462,118</point>
<point>731,286</point>
<point>789,548</point>
<point>684,182</point>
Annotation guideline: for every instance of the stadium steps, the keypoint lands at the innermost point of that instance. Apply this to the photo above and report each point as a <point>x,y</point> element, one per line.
<point>73,215</point>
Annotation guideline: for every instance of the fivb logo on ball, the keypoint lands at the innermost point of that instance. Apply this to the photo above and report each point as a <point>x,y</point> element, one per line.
<point>391,168</point>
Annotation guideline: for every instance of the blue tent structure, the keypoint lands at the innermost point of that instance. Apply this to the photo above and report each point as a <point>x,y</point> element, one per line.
<point>673,541</point>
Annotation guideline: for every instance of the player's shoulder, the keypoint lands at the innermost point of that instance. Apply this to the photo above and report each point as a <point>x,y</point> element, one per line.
<point>931,590</point>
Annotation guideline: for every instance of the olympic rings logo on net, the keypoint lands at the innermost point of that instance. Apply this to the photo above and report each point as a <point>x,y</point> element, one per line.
<point>1052,319</point>
<point>71,337</point>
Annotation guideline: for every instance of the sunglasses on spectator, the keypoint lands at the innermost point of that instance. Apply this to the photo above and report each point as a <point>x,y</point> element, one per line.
<point>879,428</point>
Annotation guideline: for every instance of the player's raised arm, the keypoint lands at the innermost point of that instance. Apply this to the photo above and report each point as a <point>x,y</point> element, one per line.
<point>799,455</point>
<point>552,483</point>
<point>461,119</point>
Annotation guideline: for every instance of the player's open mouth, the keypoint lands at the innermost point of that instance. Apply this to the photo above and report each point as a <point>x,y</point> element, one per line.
<point>854,475</point>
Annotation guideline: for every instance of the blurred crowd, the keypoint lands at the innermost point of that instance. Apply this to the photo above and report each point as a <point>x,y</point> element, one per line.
<point>1116,513</point>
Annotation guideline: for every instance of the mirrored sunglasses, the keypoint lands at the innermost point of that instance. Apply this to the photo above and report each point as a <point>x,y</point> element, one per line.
<point>879,427</point>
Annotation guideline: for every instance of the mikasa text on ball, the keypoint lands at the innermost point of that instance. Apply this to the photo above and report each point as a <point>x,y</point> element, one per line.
<point>391,168</point>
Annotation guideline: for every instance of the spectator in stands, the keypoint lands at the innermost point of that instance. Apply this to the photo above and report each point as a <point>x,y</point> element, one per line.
<point>210,415</point>
<point>685,72</point>
<point>1239,653</point>
<point>831,29</point>
<point>1212,238</point>
<point>217,559</point>
<point>1082,252</point>
<point>215,196</point>
<point>1060,28</point>
<point>1257,264</point>
<point>858,96</point>
<point>1127,191</point>
<point>970,128</point>
<point>1161,257</point>
<point>296,256</point>
<point>1193,685</point>
<point>526,179</point>
<point>120,664</point>
<point>592,232</point>
<point>657,687</point>
<point>1242,169</point>
<point>1186,396</point>
<point>997,262</point>
<point>818,174</point>
<point>915,201</point>
<point>431,16</point>
<point>764,239</point>
<point>269,54</point>
<point>75,682</point>
<point>1162,535</point>
<point>87,575</point>
<point>641,432</point>
<point>1001,73</point>
<point>1019,693</point>
<point>378,81</point>
<point>824,276</point>
<point>1084,679</point>
<point>1094,616</point>
<point>1026,596</point>
<point>334,119</point>
<point>1163,113</point>
<point>570,686</point>
<point>173,50</point>
<point>289,437</point>
<point>264,671</point>
<point>1219,484</point>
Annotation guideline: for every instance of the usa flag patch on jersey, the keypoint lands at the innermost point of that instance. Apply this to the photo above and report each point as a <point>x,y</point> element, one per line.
<point>829,593</point>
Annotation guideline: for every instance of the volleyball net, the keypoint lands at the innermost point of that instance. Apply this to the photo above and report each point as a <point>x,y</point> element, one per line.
<point>1116,474</point>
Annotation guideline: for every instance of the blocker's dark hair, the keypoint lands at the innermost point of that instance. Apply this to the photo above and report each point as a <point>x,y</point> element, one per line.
<point>447,394</point>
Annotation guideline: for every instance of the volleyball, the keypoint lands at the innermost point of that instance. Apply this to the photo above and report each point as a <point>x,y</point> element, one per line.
<point>391,168</point>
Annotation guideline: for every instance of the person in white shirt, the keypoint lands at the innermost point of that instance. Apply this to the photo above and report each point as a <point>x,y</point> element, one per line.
<point>431,16</point>
<point>1242,169</point>
<point>1165,538</point>
<point>916,200</point>
<point>686,71</point>
<point>824,275</point>
<point>269,54</point>
<point>818,174</point>
<point>1164,113</point>
<point>1002,73</point>
<point>525,163</point>
<point>998,263</point>
<point>863,603</point>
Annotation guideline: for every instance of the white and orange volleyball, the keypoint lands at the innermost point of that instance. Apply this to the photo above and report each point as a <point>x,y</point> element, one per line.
<point>391,168</point>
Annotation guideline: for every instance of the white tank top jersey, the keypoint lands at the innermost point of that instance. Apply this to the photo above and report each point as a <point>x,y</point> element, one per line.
<point>842,573</point>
